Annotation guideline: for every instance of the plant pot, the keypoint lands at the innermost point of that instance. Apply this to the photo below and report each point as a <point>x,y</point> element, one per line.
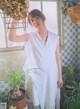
<point>69,87</point>
<point>19,102</point>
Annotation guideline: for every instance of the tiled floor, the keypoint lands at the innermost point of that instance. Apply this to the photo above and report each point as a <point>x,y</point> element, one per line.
<point>30,106</point>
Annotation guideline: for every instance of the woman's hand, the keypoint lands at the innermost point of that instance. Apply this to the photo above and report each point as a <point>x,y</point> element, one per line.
<point>60,82</point>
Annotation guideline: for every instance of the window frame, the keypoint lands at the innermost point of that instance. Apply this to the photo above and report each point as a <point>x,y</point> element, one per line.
<point>60,26</point>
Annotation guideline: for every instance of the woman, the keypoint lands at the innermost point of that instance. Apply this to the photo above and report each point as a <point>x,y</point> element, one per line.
<point>43,57</point>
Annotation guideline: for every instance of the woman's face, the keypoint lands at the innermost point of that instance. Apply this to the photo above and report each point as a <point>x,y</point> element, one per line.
<point>37,22</point>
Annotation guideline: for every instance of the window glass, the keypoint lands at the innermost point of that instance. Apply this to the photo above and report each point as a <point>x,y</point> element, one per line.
<point>2,34</point>
<point>29,28</point>
<point>33,5</point>
<point>49,9</point>
<point>51,16</point>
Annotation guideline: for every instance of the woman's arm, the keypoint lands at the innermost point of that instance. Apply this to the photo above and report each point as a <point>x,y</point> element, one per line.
<point>58,60</point>
<point>12,33</point>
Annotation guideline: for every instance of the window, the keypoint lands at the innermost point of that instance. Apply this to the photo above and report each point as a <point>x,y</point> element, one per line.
<point>50,8</point>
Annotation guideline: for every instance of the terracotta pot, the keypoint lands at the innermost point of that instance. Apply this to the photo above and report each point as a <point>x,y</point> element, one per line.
<point>19,102</point>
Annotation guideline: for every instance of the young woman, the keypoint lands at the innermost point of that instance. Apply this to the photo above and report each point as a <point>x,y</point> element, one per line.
<point>43,57</point>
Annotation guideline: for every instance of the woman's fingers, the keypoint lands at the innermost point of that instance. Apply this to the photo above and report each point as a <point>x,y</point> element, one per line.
<point>60,83</point>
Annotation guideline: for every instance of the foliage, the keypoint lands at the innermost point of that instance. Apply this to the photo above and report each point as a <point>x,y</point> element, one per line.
<point>77,75</point>
<point>69,70</point>
<point>69,74</point>
<point>67,5</point>
<point>72,88</point>
<point>17,9</point>
<point>72,99</point>
<point>15,78</point>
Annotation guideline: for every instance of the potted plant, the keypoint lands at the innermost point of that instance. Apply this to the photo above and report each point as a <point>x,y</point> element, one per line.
<point>17,97</point>
<point>68,73</point>
<point>71,93</point>
<point>72,99</point>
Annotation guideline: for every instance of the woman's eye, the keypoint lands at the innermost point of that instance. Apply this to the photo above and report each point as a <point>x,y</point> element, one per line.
<point>37,17</point>
<point>32,20</point>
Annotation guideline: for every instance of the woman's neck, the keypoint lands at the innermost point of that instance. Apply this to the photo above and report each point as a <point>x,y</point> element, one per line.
<point>43,33</point>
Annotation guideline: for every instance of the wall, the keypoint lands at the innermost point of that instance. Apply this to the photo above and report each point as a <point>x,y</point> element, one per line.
<point>69,54</point>
<point>79,47</point>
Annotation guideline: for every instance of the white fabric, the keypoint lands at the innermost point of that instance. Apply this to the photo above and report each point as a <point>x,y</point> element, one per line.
<point>41,67</point>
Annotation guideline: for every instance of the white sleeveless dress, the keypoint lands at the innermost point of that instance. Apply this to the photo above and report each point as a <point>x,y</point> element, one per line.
<point>41,68</point>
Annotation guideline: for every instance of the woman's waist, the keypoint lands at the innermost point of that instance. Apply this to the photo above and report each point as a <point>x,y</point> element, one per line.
<point>46,65</point>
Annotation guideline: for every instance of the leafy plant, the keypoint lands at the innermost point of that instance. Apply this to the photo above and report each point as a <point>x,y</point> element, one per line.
<point>15,78</point>
<point>15,84</point>
<point>77,75</point>
<point>72,100</point>
<point>17,97</point>
<point>69,70</point>
<point>69,74</point>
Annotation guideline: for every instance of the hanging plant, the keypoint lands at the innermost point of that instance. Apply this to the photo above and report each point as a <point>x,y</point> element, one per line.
<point>66,6</point>
<point>72,9</point>
<point>17,9</point>
<point>74,13</point>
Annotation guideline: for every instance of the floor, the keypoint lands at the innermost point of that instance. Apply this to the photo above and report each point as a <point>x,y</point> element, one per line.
<point>30,106</point>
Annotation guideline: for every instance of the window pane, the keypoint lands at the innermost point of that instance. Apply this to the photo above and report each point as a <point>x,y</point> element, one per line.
<point>33,4</point>
<point>2,34</point>
<point>19,31</point>
<point>51,16</point>
<point>50,11</point>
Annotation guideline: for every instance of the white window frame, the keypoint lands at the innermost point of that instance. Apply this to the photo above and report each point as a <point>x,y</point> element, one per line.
<point>60,26</point>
